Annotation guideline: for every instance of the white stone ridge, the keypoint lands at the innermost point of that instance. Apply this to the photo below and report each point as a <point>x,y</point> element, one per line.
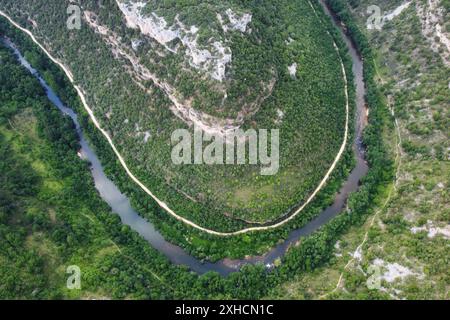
<point>432,230</point>
<point>212,59</point>
<point>432,16</point>
<point>153,26</point>
<point>180,107</point>
<point>238,23</point>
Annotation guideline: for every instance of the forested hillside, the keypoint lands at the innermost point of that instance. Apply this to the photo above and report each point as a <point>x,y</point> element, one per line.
<point>404,246</point>
<point>147,70</point>
<point>150,67</point>
<point>51,217</point>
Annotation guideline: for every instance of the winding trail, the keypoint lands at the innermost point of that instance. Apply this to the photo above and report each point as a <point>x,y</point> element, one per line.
<point>162,204</point>
<point>392,191</point>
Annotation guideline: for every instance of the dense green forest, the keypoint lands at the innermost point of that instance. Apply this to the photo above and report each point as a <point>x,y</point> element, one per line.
<point>58,219</point>
<point>410,69</point>
<point>197,243</point>
<point>308,108</point>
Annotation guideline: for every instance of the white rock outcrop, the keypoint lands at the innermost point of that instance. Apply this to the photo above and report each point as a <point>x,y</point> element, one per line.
<point>212,58</point>
<point>236,22</point>
<point>293,69</point>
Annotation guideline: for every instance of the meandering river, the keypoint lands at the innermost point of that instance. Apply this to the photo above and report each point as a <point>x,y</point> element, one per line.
<point>120,204</point>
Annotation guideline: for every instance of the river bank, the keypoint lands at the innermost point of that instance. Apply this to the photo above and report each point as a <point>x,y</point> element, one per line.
<point>120,204</point>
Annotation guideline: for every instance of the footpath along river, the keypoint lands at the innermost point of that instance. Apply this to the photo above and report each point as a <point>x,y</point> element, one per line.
<point>120,204</point>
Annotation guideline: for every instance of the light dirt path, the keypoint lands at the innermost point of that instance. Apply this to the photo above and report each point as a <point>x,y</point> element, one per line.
<point>391,193</point>
<point>163,204</point>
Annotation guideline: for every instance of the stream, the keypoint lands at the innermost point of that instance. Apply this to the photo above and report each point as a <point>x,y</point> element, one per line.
<point>120,204</point>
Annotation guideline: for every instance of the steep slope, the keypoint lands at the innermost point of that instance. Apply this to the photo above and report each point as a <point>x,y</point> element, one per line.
<point>402,251</point>
<point>149,68</point>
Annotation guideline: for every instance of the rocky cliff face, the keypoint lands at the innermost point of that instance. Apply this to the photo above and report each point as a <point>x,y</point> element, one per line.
<point>211,57</point>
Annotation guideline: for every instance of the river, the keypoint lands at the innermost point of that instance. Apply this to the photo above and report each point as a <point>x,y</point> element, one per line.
<point>120,204</point>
